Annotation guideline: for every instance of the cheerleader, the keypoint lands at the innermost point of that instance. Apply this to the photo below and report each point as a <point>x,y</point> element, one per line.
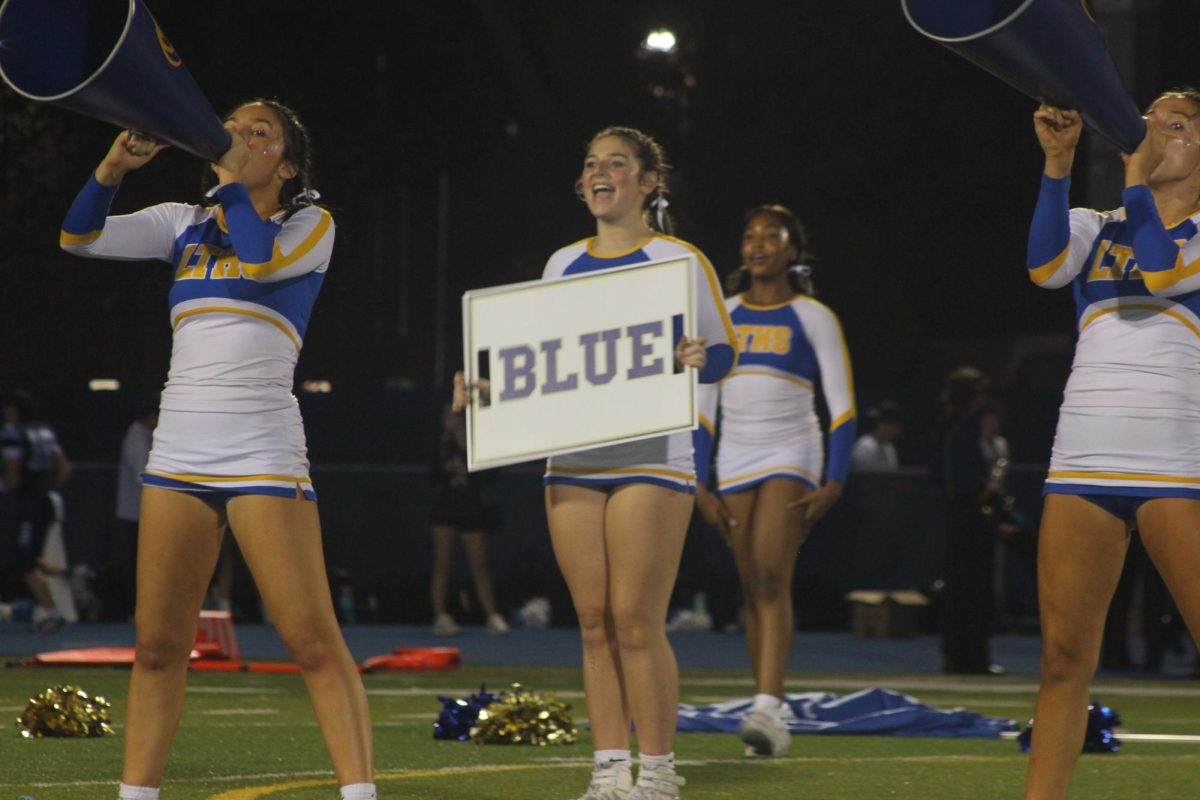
<point>618,514</point>
<point>229,447</point>
<point>772,480</point>
<point>1127,448</point>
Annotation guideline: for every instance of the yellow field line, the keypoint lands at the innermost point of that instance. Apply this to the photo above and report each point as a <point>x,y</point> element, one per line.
<point>254,792</point>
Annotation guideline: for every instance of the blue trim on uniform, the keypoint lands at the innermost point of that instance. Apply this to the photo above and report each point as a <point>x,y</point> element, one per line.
<point>1050,231</point>
<point>253,237</point>
<point>1154,248</point>
<point>741,487</point>
<point>221,495</point>
<point>1123,507</point>
<point>702,447</point>
<point>586,262</point>
<point>606,484</point>
<point>720,361</point>
<point>293,298</point>
<point>90,208</point>
<point>1147,492</point>
<point>841,446</point>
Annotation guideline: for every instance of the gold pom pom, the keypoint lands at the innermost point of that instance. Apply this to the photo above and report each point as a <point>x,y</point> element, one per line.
<point>520,716</point>
<point>65,711</point>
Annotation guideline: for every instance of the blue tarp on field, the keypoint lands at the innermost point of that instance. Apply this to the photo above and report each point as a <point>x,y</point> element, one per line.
<point>877,712</point>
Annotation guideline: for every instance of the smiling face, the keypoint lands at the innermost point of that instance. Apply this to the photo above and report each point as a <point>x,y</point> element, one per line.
<point>261,128</point>
<point>1178,117</point>
<point>613,183</point>
<point>767,250</point>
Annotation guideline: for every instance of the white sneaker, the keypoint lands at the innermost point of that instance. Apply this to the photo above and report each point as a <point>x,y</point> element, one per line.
<point>610,782</point>
<point>657,784</point>
<point>444,625</point>
<point>496,625</point>
<point>764,733</point>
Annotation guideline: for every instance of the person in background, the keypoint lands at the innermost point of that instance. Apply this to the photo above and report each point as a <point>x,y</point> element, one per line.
<point>33,466</point>
<point>460,513</point>
<point>135,451</point>
<point>970,554</point>
<point>773,480</point>
<point>875,450</point>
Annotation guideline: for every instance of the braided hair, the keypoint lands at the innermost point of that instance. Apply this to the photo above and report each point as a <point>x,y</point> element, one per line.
<point>799,275</point>
<point>297,191</point>
<point>650,154</point>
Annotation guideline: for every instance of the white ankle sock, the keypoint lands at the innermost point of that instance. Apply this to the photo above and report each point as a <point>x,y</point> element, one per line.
<point>605,757</point>
<point>655,762</point>
<point>358,791</point>
<point>127,792</point>
<point>767,702</point>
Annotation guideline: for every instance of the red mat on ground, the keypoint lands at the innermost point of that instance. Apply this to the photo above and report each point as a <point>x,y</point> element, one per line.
<point>406,658</point>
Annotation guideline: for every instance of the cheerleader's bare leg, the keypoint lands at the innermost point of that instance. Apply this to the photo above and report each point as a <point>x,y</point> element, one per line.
<point>280,538</point>
<point>645,526</point>
<point>179,539</point>
<point>576,518</point>
<point>1081,549</point>
<point>775,538</point>
<point>1170,530</point>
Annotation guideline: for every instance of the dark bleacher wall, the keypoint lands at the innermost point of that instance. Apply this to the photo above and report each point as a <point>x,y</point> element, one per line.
<point>371,453</point>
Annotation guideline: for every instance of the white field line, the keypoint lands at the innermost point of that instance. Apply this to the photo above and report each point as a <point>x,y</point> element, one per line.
<point>1166,738</point>
<point>997,686</point>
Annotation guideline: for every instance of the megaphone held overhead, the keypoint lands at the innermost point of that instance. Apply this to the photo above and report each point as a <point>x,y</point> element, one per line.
<point>1051,50</point>
<point>107,59</point>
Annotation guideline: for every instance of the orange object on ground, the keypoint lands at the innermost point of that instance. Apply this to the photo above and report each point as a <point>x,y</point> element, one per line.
<point>415,658</point>
<point>215,637</point>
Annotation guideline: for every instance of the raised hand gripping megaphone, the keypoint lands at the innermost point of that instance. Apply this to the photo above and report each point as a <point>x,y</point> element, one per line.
<point>1051,50</point>
<point>107,59</point>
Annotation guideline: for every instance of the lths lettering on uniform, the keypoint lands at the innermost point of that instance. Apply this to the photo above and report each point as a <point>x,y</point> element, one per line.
<point>523,372</point>
<point>200,261</point>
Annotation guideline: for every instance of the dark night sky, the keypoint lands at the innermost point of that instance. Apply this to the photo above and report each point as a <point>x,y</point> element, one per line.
<point>915,171</point>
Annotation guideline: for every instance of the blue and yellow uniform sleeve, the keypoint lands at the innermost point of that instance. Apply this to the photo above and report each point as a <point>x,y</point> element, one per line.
<point>144,235</point>
<point>704,437</point>
<point>712,321</point>
<point>271,252</point>
<point>1169,267</point>
<point>837,382</point>
<point>1060,238</point>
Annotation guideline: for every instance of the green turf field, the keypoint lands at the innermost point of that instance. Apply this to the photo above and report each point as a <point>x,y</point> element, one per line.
<point>250,735</point>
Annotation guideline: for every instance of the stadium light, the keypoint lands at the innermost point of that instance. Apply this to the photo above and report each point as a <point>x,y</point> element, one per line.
<point>660,41</point>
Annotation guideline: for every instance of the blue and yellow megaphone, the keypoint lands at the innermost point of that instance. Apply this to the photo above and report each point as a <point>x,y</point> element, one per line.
<point>107,59</point>
<point>1050,50</point>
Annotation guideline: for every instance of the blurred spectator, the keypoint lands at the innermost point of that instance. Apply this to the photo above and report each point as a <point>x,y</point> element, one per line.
<point>962,472</point>
<point>121,559</point>
<point>34,464</point>
<point>875,450</point>
<point>459,512</point>
<point>135,451</point>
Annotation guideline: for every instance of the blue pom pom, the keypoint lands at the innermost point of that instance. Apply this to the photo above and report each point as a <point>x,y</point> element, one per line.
<point>1026,738</point>
<point>1098,737</point>
<point>457,717</point>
